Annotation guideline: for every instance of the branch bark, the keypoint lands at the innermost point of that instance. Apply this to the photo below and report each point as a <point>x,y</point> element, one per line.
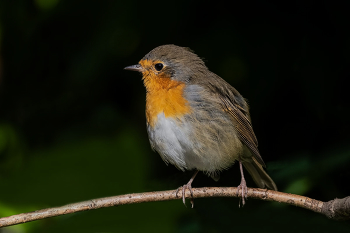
<point>338,209</point>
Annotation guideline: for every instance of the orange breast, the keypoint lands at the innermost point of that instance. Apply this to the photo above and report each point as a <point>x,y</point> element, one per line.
<point>164,95</point>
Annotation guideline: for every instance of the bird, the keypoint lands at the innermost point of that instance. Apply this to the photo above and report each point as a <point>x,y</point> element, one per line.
<point>196,120</point>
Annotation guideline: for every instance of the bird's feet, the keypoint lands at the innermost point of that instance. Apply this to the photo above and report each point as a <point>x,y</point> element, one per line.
<point>183,188</point>
<point>243,187</point>
<point>242,190</point>
<point>189,187</point>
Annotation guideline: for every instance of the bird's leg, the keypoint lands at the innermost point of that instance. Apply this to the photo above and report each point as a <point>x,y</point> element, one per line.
<point>242,186</point>
<point>189,187</point>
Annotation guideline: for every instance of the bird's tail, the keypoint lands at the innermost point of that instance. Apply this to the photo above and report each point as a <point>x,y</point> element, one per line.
<point>260,177</point>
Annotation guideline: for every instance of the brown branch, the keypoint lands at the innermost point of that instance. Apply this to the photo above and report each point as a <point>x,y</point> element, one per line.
<point>338,209</point>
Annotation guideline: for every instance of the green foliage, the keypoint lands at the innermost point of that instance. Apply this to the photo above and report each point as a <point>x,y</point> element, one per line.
<point>46,4</point>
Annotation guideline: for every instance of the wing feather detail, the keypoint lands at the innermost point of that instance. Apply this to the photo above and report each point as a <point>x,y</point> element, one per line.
<point>243,126</point>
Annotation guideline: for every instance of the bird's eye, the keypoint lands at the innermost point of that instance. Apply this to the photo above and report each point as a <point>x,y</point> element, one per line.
<point>158,66</point>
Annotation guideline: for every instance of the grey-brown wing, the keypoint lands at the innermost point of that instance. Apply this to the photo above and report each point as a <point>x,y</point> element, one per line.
<point>243,126</point>
<point>235,105</point>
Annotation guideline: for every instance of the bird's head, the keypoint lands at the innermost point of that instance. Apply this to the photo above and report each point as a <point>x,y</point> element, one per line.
<point>169,62</point>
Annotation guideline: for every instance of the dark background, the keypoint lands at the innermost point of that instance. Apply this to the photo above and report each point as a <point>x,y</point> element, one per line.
<point>72,122</point>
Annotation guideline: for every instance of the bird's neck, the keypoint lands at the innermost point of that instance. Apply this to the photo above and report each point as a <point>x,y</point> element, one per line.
<point>164,95</point>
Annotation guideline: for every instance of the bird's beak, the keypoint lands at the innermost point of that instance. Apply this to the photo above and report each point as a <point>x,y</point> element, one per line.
<point>137,67</point>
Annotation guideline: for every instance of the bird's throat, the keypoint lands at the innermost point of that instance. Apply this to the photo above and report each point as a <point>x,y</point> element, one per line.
<point>164,95</point>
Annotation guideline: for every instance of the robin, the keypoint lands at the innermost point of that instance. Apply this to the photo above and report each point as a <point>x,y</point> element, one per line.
<point>196,120</point>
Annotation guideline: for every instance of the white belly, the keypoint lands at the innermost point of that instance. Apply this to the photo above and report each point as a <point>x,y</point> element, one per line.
<point>194,146</point>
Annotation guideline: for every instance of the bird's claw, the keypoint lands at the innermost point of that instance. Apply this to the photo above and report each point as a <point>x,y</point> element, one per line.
<point>244,192</point>
<point>184,187</point>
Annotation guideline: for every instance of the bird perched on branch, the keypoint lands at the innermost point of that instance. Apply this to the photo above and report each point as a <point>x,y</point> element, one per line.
<point>196,120</point>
